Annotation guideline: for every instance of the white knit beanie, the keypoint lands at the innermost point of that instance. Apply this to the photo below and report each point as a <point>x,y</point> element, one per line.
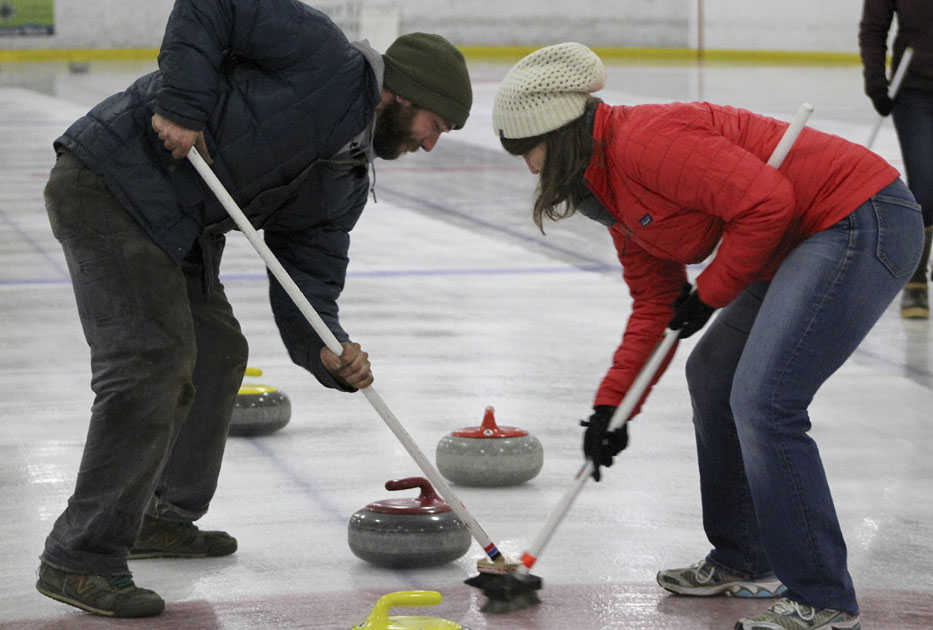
<point>546,90</point>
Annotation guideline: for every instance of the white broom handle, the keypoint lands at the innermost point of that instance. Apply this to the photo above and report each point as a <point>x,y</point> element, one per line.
<point>892,93</point>
<point>334,346</point>
<point>644,378</point>
<point>790,135</point>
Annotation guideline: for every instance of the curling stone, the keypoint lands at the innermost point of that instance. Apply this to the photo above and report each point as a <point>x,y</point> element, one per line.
<point>409,532</point>
<point>259,409</point>
<point>489,455</point>
<point>379,618</point>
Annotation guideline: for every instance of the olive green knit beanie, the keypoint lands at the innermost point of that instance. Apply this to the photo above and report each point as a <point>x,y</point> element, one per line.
<point>428,71</point>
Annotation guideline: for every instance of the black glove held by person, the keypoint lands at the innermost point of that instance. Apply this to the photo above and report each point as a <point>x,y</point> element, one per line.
<point>690,313</point>
<point>883,104</point>
<point>600,445</point>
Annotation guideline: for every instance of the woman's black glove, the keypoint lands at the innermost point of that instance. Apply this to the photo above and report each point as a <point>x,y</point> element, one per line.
<point>690,313</point>
<point>599,444</point>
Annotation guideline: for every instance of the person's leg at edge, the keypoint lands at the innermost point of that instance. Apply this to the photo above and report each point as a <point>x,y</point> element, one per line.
<point>913,120</point>
<point>822,302</point>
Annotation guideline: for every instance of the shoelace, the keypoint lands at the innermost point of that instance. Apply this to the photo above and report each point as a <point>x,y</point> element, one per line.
<point>786,606</point>
<point>704,577</point>
<point>121,582</point>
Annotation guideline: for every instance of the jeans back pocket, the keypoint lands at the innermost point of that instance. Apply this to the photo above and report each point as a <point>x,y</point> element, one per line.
<point>900,233</point>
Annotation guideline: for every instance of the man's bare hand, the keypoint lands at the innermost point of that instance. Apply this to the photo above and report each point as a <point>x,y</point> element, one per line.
<point>178,139</point>
<point>352,367</point>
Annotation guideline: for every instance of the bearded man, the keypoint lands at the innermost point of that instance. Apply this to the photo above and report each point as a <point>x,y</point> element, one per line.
<point>290,114</point>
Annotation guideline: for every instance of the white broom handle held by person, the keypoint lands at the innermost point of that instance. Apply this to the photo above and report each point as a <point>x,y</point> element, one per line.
<point>790,135</point>
<point>644,378</point>
<point>893,88</point>
<point>439,483</point>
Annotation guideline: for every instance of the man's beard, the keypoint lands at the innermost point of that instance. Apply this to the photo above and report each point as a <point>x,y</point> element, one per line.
<point>392,135</point>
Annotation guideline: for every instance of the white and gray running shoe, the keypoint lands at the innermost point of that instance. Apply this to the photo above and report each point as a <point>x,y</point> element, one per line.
<point>704,579</point>
<point>786,614</point>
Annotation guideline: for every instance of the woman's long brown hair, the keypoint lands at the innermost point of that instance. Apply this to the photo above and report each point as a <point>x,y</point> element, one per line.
<point>568,150</point>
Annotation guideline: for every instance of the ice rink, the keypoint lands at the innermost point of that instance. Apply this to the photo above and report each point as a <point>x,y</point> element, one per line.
<point>461,304</point>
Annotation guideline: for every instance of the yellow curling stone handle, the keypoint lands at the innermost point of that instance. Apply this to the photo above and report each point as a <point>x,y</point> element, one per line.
<point>379,618</point>
<point>255,389</point>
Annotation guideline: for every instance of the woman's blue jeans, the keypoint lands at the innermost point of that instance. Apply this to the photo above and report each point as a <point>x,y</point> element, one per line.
<point>766,502</point>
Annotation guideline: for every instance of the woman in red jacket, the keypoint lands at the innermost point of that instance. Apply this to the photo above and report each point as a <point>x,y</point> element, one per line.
<point>808,258</point>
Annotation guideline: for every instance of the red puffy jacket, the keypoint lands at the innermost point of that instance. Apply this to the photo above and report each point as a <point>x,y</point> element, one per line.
<point>682,177</point>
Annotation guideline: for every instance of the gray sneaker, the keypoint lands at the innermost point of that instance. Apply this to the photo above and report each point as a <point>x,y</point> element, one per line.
<point>177,539</point>
<point>786,614</point>
<point>915,301</point>
<point>704,579</point>
<point>98,594</point>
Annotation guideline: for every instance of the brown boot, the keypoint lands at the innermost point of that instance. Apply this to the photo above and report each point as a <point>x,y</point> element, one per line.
<point>915,301</point>
<point>102,595</point>
<point>160,538</point>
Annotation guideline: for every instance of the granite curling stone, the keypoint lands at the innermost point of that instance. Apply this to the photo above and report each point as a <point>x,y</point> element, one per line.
<point>489,455</point>
<point>259,409</point>
<point>410,532</point>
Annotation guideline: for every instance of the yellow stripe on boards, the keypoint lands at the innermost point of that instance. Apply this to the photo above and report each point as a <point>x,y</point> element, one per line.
<point>495,53</point>
<point>78,54</point>
<point>788,57</point>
